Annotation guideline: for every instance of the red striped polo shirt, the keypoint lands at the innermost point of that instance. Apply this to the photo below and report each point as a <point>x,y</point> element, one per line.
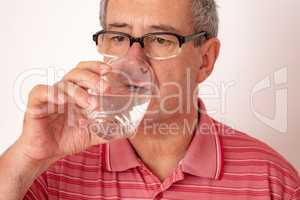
<point>220,164</point>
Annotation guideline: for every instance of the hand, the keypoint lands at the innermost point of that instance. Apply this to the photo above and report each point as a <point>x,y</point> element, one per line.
<point>54,125</point>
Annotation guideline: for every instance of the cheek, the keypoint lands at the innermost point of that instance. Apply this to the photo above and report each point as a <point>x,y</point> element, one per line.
<point>176,85</point>
<point>167,72</point>
<point>179,70</point>
<point>175,77</point>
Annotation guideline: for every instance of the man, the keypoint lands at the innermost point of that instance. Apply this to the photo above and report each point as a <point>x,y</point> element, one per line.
<point>198,159</point>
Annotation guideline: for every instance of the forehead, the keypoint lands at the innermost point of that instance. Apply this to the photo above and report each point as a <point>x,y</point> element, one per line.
<point>144,14</point>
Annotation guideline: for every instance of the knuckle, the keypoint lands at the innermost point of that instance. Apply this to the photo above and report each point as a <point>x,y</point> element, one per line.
<point>88,64</point>
<point>71,75</point>
<point>68,87</point>
<point>38,92</point>
<point>37,89</point>
<point>63,86</point>
<point>60,84</point>
<point>82,64</point>
<point>76,90</point>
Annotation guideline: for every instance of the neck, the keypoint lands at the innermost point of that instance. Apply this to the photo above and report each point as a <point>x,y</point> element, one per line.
<point>165,145</point>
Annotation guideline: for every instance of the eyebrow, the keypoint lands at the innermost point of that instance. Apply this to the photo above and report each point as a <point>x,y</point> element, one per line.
<point>162,27</point>
<point>119,25</point>
<point>159,27</point>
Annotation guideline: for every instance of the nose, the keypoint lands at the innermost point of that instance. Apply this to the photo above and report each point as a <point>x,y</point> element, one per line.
<point>136,51</point>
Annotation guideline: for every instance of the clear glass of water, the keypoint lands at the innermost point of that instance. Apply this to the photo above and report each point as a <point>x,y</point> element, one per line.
<point>123,99</point>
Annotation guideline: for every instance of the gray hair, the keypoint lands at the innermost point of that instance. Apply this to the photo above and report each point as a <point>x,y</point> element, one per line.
<point>204,12</point>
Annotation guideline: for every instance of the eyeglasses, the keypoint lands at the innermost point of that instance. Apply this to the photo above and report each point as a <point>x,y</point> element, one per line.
<point>159,45</point>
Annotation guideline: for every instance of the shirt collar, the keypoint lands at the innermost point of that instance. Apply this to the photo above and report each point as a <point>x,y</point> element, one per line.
<point>120,156</point>
<point>203,157</point>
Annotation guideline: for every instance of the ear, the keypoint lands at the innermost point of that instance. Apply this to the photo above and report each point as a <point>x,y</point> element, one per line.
<point>209,52</point>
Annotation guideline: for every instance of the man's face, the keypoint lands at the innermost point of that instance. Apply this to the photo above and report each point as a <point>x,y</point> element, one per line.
<point>177,77</point>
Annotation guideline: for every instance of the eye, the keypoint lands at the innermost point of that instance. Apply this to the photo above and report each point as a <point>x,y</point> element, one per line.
<point>161,40</point>
<point>118,38</point>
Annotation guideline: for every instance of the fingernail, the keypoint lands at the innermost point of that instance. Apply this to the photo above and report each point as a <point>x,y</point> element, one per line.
<point>92,92</point>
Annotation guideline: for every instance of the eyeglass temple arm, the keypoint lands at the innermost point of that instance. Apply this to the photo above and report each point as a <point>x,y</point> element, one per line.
<point>194,36</point>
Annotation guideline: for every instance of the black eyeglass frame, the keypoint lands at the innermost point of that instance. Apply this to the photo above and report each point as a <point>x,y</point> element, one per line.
<point>181,39</point>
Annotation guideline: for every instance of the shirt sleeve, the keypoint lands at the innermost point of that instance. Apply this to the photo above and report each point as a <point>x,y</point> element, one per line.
<point>38,190</point>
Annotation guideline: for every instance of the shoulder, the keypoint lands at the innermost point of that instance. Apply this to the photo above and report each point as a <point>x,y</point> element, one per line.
<point>247,155</point>
<point>89,160</point>
<point>67,172</point>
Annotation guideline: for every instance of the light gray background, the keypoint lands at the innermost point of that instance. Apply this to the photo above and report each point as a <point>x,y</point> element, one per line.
<point>40,40</point>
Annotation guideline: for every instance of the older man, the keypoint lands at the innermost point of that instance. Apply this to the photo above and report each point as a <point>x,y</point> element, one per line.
<point>199,158</point>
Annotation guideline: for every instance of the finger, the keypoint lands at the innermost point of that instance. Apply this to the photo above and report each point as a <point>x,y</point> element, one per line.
<point>76,93</point>
<point>44,100</point>
<point>42,94</point>
<point>94,66</point>
<point>83,78</point>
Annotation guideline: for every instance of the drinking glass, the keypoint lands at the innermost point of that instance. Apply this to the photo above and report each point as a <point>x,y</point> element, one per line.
<point>123,98</point>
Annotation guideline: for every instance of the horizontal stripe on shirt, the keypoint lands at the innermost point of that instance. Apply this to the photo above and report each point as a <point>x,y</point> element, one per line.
<point>220,164</point>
